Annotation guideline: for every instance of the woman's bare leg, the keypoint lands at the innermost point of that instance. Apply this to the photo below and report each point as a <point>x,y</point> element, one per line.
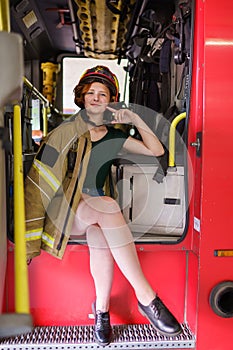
<point>101,266</point>
<point>106,213</point>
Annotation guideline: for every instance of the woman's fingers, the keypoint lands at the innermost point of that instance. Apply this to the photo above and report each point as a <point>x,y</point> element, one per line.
<point>122,115</point>
<point>111,109</point>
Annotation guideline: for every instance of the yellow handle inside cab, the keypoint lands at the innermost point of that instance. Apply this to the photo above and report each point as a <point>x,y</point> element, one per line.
<point>172,138</point>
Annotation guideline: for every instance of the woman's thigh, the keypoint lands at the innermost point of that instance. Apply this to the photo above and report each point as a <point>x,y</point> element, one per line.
<point>91,211</point>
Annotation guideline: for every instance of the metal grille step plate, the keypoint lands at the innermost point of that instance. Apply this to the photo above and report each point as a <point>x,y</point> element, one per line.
<point>82,337</point>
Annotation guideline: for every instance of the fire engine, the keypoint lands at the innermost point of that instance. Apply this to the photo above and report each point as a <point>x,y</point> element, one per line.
<point>175,60</point>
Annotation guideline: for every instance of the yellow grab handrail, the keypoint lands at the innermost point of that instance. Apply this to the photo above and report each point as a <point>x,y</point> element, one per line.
<point>21,274</point>
<point>4,16</point>
<point>172,138</point>
<point>12,324</point>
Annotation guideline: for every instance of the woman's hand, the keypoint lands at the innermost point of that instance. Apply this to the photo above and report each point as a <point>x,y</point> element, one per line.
<point>150,144</point>
<point>122,116</point>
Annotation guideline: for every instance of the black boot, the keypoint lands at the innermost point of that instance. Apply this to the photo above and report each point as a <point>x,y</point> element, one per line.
<point>102,329</point>
<point>160,317</point>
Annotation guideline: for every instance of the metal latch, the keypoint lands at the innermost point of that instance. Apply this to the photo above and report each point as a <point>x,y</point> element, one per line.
<point>197,143</point>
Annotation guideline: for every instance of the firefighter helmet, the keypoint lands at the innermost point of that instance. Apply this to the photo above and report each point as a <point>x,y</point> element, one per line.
<point>101,74</point>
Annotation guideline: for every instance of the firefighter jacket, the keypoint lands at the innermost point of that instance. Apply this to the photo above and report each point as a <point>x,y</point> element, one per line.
<point>53,187</point>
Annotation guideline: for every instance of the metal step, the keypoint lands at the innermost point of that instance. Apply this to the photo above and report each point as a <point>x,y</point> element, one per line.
<point>126,337</point>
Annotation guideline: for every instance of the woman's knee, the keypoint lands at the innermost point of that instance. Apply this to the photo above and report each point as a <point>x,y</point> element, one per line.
<point>111,205</point>
<point>95,237</point>
<point>101,205</point>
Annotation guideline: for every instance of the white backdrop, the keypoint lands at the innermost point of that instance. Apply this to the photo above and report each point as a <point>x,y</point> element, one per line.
<point>74,67</point>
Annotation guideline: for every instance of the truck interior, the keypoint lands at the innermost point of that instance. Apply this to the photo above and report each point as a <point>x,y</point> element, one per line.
<point>150,44</point>
<point>173,59</point>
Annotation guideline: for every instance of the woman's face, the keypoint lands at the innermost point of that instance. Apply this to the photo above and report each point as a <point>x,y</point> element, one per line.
<point>96,98</point>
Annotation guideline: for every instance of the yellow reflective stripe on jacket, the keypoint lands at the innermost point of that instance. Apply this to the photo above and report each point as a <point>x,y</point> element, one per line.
<point>47,175</point>
<point>47,239</point>
<point>33,235</point>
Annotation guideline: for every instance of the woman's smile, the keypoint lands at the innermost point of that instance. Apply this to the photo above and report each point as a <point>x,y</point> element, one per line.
<point>96,99</point>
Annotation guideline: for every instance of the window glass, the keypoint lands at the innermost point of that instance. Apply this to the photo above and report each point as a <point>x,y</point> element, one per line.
<point>73,68</point>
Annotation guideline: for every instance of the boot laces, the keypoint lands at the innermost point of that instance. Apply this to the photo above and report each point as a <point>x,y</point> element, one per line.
<point>102,320</point>
<point>156,308</point>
